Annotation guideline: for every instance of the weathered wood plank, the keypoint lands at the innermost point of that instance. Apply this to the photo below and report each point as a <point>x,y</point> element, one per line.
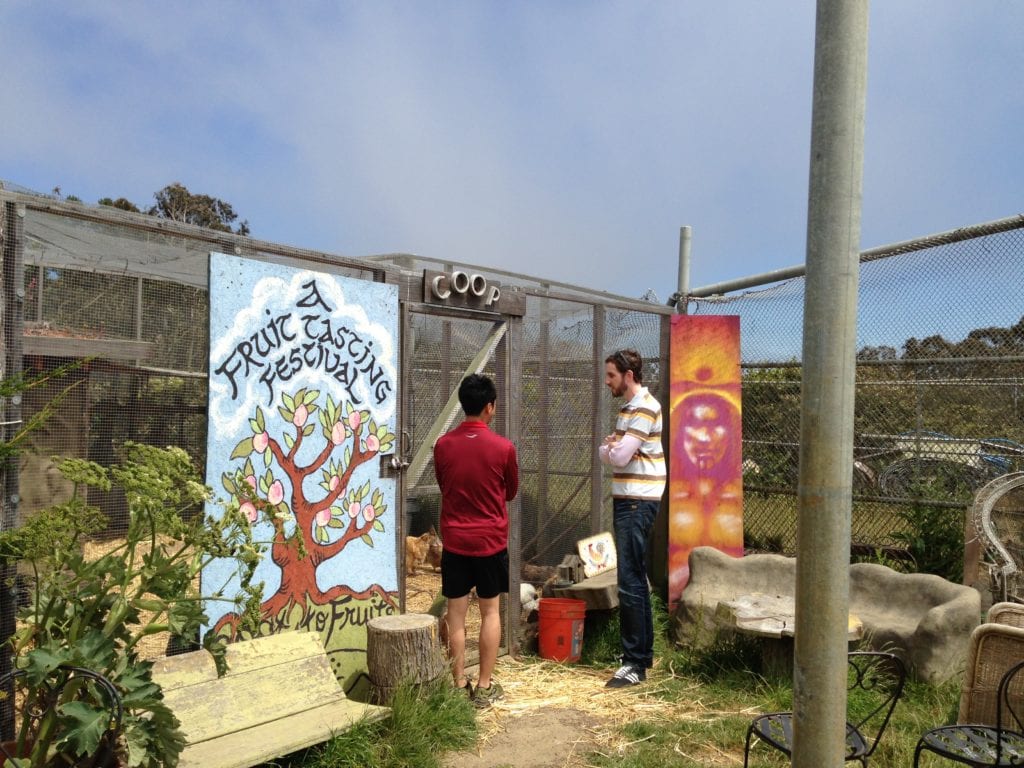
<point>69,346</point>
<point>600,592</point>
<point>243,657</point>
<point>235,702</point>
<point>279,695</point>
<point>260,744</point>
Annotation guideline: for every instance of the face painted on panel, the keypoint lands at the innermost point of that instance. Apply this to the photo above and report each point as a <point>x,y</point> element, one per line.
<point>708,431</point>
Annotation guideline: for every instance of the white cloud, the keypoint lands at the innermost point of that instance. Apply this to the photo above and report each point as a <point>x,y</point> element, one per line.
<point>567,141</point>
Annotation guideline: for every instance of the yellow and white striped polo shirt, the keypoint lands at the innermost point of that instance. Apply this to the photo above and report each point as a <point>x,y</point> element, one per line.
<point>644,476</point>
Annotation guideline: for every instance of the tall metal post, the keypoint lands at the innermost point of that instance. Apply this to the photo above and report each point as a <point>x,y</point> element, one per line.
<point>544,371</point>
<point>829,377</point>
<point>598,424</point>
<point>12,265</point>
<point>683,282</point>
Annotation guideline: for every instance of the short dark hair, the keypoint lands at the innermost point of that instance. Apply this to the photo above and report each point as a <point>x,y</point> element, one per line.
<point>628,360</point>
<point>475,392</point>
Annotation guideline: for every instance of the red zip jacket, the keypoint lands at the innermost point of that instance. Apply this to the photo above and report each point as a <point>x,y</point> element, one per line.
<point>478,473</point>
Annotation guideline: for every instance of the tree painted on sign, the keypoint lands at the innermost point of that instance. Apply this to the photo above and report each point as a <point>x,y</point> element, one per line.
<point>309,531</point>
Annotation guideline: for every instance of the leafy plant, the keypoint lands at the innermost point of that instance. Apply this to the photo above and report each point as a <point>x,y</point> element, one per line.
<point>92,613</point>
<point>13,386</point>
<point>934,538</point>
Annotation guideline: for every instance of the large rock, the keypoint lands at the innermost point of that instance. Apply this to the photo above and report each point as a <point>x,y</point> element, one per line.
<point>924,619</point>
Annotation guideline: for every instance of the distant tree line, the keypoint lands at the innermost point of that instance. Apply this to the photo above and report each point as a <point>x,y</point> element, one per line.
<point>981,342</point>
<point>972,389</point>
<point>176,203</point>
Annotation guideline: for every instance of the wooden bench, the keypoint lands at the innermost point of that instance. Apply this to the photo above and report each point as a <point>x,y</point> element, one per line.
<point>600,592</point>
<point>922,618</point>
<point>278,696</point>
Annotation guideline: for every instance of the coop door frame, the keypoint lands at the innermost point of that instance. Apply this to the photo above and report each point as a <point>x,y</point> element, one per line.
<point>502,350</point>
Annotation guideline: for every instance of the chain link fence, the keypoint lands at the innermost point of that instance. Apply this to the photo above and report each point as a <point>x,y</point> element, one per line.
<point>567,409</point>
<point>940,369</point>
<point>939,386</point>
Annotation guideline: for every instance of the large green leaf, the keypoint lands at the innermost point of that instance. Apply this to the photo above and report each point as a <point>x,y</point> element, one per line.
<point>95,650</point>
<point>138,691</point>
<point>39,663</point>
<point>82,726</point>
<point>217,646</point>
<point>135,736</point>
<point>182,617</point>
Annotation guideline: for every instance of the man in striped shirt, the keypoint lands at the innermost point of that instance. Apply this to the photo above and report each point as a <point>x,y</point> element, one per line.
<point>638,482</point>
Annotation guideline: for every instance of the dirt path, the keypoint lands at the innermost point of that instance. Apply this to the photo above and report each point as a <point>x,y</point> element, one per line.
<point>542,738</point>
<point>554,716</point>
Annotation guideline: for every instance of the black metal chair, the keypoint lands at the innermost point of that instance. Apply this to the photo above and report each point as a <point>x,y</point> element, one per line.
<point>65,684</point>
<point>875,684</point>
<point>996,745</point>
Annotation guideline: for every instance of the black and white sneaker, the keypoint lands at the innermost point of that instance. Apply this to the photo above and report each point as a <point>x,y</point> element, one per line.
<point>626,675</point>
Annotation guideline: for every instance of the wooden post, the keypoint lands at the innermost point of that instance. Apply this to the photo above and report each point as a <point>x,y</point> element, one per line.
<point>402,648</point>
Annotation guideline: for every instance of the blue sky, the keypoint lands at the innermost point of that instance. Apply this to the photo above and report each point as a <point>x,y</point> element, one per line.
<point>567,140</point>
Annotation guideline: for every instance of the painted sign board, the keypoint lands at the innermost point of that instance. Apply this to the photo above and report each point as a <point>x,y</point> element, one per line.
<point>302,405</point>
<point>705,473</point>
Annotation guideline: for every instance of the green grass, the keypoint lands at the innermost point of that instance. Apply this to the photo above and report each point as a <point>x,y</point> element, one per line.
<point>424,724</point>
<point>726,681</point>
<point>602,646</point>
<point>731,693</point>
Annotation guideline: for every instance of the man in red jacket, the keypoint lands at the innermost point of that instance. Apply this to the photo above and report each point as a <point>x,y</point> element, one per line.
<point>478,473</point>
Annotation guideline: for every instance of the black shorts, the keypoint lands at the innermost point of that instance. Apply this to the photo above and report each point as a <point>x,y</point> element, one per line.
<point>460,573</point>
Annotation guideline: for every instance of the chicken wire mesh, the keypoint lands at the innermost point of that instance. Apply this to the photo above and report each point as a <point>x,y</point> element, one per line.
<point>125,302</point>
<point>114,308</point>
<point>440,350</point>
<point>566,410</point>
<point>939,385</point>
<point>940,373</point>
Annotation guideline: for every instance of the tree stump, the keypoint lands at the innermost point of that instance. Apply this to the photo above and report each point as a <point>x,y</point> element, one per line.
<point>402,648</point>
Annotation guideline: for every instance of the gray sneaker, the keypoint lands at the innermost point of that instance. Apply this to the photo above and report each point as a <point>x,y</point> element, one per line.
<point>484,697</point>
<point>627,675</point>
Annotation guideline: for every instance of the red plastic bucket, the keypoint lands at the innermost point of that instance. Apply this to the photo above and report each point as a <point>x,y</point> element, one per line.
<point>560,632</point>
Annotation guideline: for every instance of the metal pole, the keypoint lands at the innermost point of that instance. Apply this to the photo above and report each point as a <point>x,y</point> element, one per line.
<point>12,237</point>
<point>683,288</point>
<point>598,424</point>
<point>543,445</point>
<point>871,254</point>
<point>829,377</point>
<point>512,366</point>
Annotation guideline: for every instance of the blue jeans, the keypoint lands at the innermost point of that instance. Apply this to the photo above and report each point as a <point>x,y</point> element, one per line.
<point>633,519</point>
